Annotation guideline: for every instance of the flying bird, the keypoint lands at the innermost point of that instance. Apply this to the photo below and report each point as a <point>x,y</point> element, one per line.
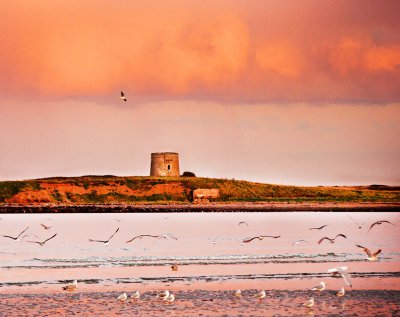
<point>122,96</point>
<point>379,223</point>
<point>320,287</point>
<point>247,240</point>
<point>45,227</point>
<point>299,241</point>
<point>371,256</point>
<point>243,223</point>
<point>105,241</point>
<point>71,286</point>
<point>17,237</point>
<point>162,236</point>
<point>342,270</point>
<point>42,243</point>
<point>318,228</point>
<point>357,223</point>
<point>332,240</point>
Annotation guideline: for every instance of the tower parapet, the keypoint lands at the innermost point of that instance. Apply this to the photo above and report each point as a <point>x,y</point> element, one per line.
<point>164,164</point>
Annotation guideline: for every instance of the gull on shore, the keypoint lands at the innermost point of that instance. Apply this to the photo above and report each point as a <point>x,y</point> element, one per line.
<point>42,243</point>
<point>247,240</point>
<point>122,97</point>
<point>163,294</point>
<point>260,295</point>
<point>174,267</point>
<point>122,297</point>
<point>320,287</point>
<point>160,236</point>
<point>318,228</point>
<point>238,293</point>
<point>371,256</point>
<point>341,292</point>
<point>135,295</point>
<point>105,241</point>
<point>71,286</point>
<point>309,303</point>
<point>376,223</point>
<point>332,240</point>
<point>169,299</point>
<point>17,237</point>
<point>342,270</point>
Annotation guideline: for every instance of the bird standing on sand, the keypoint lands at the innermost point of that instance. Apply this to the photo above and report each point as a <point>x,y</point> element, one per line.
<point>105,241</point>
<point>163,294</point>
<point>42,243</point>
<point>333,239</point>
<point>309,303</point>
<point>71,286</point>
<point>260,295</point>
<point>247,240</point>
<point>135,295</point>
<point>371,256</point>
<point>122,96</point>
<point>320,287</point>
<point>341,292</point>
<point>17,237</point>
<point>342,270</point>
<point>169,299</point>
<point>379,223</point>
<point>238,293</point>
<point>122,297</point>
<point>174,267</point>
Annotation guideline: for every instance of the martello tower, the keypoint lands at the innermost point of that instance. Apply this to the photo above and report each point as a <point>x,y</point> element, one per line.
<point>164,164</point>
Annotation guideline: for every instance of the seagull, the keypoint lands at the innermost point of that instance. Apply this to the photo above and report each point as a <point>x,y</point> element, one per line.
<point>105,241</point>
<point>260,295</point>
<point>332,240</point>
<point>341,292</point>
<point>238,293</point>
<point>122,297</point>
<point>299,241</point>
<point>342,270</point>
<point>45,227</point>
<point>243,223</point>
<point>174,267</point>
<point>122,96</point>
<point>320,287</point>
<point>135,295</point>
<point>318,228</point>
<point>169,299</point>
<point>309,303</point>
<point>247,240</point>
<point>379,223</point>
<point>17,237</point>
<point>371,256</point>
<point>42,243</point>
<point>357,223</point>
<point>162,236</point>
<point>163,294</point>
<point>71,286</point>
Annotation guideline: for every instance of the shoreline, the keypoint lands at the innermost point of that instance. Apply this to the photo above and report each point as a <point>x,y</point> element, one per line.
<point>209,207</point>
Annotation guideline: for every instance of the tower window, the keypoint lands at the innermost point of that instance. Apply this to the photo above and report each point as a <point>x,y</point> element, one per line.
<point>169,167</point>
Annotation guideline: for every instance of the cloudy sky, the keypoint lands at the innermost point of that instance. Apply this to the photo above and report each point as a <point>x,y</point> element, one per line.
<point>286,92</point>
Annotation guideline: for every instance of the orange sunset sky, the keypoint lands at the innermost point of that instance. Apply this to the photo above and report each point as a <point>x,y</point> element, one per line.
<point>287,92</point>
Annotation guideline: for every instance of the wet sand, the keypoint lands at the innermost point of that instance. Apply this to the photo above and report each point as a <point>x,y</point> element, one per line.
<point>202,303</point>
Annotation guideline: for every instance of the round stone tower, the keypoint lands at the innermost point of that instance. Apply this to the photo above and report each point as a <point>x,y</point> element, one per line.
<point>164,164</point>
